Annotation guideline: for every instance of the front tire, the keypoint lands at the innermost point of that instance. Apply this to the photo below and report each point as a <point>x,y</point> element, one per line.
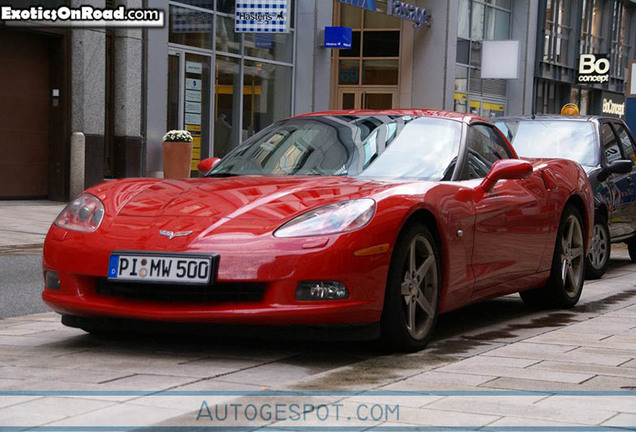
<point>597,260</point>
<point>567,274</point>
<point>412,292</point>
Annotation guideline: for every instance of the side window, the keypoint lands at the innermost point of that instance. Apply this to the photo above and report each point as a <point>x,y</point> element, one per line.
<point>485,147</point>
<point>626,142</point>
<point>611,147</point>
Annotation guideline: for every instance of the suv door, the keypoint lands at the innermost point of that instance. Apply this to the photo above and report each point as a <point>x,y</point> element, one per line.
<point>629,152</point>
<point>509,218</point>
<point>621,186</point>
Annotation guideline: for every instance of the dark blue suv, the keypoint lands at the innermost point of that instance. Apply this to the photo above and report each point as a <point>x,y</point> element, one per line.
<point>605,148</point>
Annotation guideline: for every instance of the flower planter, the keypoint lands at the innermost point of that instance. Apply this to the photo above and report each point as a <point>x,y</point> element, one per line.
<point>177,159</point>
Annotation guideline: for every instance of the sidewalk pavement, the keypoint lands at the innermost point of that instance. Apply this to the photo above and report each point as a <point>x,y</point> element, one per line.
<point>59,378</point>
<point>24,224</point>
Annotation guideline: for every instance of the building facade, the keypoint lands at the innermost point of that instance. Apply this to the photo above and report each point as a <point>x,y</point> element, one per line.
<point>571,31</point>
<point>125,88</point>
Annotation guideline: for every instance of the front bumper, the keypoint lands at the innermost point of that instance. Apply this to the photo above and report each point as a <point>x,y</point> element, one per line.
<point>276,264</point>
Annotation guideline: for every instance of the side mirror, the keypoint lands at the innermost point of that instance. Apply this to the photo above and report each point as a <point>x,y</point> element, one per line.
<point>621,166</point>
<point>206,165</point>
<point>506,169</point>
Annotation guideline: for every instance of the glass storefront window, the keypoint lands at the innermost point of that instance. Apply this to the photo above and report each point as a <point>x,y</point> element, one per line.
<point>266,95</point>
<point>226,6</point>
<point>497,24</point>
<point>226,39</point>
<point>477,22</point>
<point>197,105</point>
<point>380,72</point>
<point>272,46</point>
<point>463,23</point>
<point>203,4</point>
<point>349,72</point>
<point>190,27</point>
<point>381,44</point>
<point>227,104</point>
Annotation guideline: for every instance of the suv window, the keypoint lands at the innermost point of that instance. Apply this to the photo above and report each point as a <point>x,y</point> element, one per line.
<point>611,148</point>
<point>485,147</point>
<point>626,141</point>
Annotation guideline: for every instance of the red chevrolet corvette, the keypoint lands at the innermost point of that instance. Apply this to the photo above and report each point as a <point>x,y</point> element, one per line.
<point>374,219</point>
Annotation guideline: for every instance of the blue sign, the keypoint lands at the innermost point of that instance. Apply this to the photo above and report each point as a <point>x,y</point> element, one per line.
<point>338,37</point>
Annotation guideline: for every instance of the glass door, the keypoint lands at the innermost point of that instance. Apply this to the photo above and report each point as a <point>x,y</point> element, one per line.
<point>189,99</point>
<point>366,98</point>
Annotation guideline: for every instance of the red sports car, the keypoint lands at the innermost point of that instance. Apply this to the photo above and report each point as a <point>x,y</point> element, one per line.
<point>373,219</point>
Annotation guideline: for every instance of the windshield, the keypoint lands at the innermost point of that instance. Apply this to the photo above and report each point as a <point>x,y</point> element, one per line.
<point>368,146</point>
<point>574,140</point>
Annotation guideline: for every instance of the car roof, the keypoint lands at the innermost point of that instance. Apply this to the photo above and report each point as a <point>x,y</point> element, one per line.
<point>557,117</point>
<point>469,118</point>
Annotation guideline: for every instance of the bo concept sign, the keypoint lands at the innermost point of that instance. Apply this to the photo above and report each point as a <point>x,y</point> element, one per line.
<point>262,16</point>
<point>594,68</point>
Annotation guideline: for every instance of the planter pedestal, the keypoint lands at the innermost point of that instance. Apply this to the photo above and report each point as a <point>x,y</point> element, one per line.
<point>177,159</point>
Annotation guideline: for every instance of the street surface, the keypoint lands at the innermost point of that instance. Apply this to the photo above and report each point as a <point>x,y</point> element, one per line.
<point>528,358</point>
<point>497,345</point>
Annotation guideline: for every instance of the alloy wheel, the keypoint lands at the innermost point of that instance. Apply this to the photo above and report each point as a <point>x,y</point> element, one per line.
<point>419,287</point>
<point>572,256</point>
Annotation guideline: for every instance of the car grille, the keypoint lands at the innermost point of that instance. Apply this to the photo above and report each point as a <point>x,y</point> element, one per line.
<point>219,292</point>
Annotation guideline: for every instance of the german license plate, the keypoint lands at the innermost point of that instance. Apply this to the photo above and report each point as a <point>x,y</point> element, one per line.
<point>162,268</point>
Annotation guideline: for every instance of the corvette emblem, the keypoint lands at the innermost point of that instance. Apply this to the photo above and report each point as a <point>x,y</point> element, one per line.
<point>172,234</point>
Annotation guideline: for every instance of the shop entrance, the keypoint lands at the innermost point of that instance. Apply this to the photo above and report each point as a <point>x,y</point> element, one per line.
<point>25,114</point>
<point>366,98</point>
<point>189,99</point>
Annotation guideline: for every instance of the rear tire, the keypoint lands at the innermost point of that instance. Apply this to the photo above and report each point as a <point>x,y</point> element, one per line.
<point>597,260</point>
<point>412,292</point>
<point>567,274</point>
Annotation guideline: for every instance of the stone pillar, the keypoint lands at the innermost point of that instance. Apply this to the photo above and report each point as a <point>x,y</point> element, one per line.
<point>128,68</point>
<point>313,63</point>
<point>157,92</point>
<point>88,92</point>
<point>434,55</point>
<point>524,29</point>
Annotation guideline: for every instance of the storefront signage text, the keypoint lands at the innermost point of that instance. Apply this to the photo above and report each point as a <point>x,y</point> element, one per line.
<point>262,16</point>
<point>399,9</point>
<point>612,108</point>
<point>594,68</point>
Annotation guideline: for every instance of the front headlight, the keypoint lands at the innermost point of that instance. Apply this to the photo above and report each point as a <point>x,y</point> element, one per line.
<point>84,213</point>
<point>331,219</point>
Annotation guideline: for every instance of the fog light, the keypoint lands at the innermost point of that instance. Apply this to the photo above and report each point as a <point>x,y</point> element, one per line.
<point>321,290</point>
<point>51,280</point>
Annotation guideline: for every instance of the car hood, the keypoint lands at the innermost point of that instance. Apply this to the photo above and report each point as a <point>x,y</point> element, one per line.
<point>252,197</point>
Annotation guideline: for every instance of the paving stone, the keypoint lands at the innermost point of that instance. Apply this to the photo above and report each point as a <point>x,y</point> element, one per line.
<point>622,420</point>
<point>564,338</point>
<point>45,410</point>
<point>523,422</point>
<point>436,417</point>
<point>125,415</point>
<point>6,401</point>
<point>586,368</point>
<point>513,406</point>
<point>438,380</point>
<point>528,384</point>
<point>512,372</point>
<point>565,354</point>
<point>622,404</point>
<point>69,375</point>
